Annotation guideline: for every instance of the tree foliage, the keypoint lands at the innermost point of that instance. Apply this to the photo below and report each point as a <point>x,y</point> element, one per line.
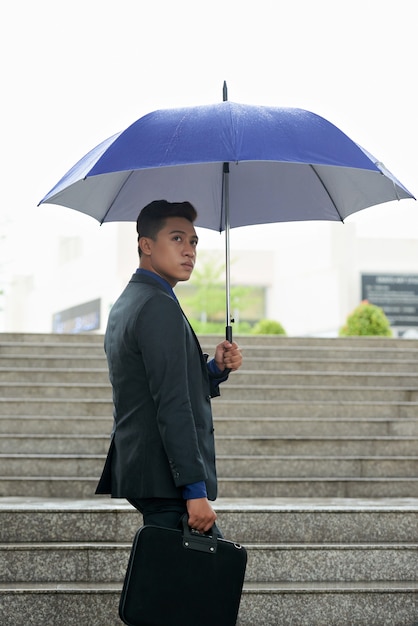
<point>208,300</point>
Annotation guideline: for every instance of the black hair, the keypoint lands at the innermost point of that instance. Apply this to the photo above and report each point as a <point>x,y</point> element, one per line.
<point>153,216</point>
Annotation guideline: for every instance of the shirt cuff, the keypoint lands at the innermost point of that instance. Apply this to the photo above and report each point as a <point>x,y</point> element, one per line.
<point>214,369</point>
<point>195,490</point>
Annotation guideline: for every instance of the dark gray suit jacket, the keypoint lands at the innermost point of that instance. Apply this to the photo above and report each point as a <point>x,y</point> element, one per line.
<point>163,433</point>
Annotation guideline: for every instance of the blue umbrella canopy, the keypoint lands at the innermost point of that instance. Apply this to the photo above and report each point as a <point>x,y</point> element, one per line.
<point>237,164</point>
<point>284,165</point>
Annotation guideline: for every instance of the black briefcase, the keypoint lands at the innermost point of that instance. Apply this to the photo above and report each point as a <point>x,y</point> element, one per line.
<point>182,578</point>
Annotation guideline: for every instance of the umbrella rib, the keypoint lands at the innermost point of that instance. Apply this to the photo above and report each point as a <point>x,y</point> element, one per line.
<point>115,197</point>
<point>327,192</point>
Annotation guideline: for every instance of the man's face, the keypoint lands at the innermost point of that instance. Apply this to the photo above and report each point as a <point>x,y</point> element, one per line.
<point>173,254</point>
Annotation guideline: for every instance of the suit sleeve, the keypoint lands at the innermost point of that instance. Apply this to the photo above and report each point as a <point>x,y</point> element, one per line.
<point>161,333</point>
<point>216,377</point>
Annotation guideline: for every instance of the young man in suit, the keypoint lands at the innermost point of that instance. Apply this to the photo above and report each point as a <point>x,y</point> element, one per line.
<point>162,453</point>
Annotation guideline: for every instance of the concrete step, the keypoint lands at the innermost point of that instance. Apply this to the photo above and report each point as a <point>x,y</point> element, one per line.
<point>362,342</point>
<point>59,604</point>
<point>299,392</point>
<point>107,562</point>
<point>310,466</point>
<point>327,351</point>
<point>53,444</point>
<point>371,341</point>
<point>41,406</point>
<point>316,446</point>
<point>290,363</point>
<point>313,408</point>
<point>263,364</point>
<point>90,465</point>
<point>57,406</point>
<point>76,561</point>
<point>58,375</point>
<point>230,391</point>
<point>54,465</point>
<point>77,390</point>
<point>225,444</point>
<point>330,604</point>
<point>262,604</point>
<point>52,338</point>
<point>246,520</point>
<point>335,364</point>
<point>34,361</point>
<point>31,377</point>
<point>370,348</point>
<point>324,378</point>
<point>332,422</point>
<point>331,350</point>
<point>308,426</point>
<point>56,349</point>
<point>368,342</point>
<point>56,424</point>
<point>48,486</point>
<point>271,350</point>
<point>238,487</point>
<point>303,487</point>
<point>371,538</point>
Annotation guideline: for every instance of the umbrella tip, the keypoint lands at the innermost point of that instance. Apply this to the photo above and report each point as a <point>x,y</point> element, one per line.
<point>225,92</point>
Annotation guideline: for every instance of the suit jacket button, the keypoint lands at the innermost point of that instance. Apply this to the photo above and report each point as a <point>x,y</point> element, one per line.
<point>208,398</point>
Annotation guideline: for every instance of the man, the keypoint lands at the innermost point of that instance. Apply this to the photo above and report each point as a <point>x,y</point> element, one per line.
<point>162,453</point>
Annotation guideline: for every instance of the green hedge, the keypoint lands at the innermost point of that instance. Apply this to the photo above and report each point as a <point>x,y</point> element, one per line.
<point>268,327</point>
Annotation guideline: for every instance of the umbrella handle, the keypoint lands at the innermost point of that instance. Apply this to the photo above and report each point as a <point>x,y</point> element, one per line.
<point>228,337</point>
<point>228,333</point>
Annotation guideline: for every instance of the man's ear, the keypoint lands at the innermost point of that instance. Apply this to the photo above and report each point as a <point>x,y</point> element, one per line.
<point>144,244</point>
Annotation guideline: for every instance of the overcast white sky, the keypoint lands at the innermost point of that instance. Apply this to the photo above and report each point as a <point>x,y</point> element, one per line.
<point>76,71</point>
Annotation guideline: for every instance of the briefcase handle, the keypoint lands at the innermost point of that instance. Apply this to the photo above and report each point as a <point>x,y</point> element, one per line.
<point>194,540</point>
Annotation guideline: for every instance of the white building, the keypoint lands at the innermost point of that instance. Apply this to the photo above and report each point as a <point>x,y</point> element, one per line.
<point>310,272</point>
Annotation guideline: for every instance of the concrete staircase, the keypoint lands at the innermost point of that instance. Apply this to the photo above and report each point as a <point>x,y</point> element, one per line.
<point>317,444</point>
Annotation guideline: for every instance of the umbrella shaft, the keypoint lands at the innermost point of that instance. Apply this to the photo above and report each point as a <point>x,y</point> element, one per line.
<point>227,252</point>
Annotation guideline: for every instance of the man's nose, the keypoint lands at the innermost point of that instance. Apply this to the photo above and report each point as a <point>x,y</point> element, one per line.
<point>190,250</point>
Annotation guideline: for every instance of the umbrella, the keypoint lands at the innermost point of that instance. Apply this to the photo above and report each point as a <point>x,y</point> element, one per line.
<point>238,164</point>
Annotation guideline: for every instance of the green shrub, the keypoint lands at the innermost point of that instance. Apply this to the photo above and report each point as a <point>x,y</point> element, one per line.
<point>268,327</point>
<point>366,319</point>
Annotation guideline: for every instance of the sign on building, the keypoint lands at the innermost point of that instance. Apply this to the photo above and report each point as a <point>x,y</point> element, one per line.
<point>78,319</point>
<point>396,294</point>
